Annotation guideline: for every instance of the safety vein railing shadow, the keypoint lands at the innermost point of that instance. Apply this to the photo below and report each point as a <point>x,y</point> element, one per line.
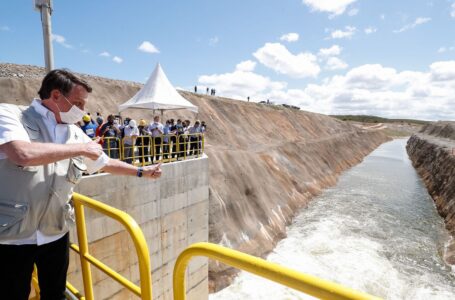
<point>286,276</point>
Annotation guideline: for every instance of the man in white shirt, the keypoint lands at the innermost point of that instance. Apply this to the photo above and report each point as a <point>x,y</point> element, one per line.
<point>42,156</point>
<point>129,140</point>
<point>156,129</point>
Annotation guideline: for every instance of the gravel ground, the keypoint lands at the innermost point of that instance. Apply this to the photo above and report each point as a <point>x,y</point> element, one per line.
<point>28,71</point>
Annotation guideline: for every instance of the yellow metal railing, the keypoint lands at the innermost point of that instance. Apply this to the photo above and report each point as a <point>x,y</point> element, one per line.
<point>112,147</point>
<point>146,149</point>
<point>305,283</point>
<point>302,282</point>
<point>145,290</point>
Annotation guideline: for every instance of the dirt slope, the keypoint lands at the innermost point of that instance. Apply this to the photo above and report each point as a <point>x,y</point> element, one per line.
<point>432,152</point>
<point>265,162</point>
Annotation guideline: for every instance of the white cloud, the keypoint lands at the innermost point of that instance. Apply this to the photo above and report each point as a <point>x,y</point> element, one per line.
<point>290,37</point>
<point>246,66</point>
<point>353,12</point>
<point>332,51</point>
<point>378,90</point>
<point>117,59</point>
<point>418,21</point>
<point>452,12</point>
<point>148,47</point>
<point>368,89</point>
<point>370,30</point>
<point>443,71</point>
<point>105,54</point>
<point>241,84</point>
<point>340,34</point>
<point>277,57</point>
<point>213,41</point>
<point>60,39</point>
<point>446,49</point>
<point>335,7</point>
<point>4,28</point>
<point>382,16</point>
<point>334,63</point>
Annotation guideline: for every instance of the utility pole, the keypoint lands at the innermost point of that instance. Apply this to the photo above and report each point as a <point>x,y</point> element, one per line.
<point>45,8</point>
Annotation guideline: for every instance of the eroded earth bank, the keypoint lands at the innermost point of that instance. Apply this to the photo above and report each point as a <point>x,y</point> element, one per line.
<point>432,152</point>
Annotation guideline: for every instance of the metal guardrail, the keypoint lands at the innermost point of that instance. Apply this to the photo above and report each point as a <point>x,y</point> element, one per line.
<point>145,290</point>
<point>146,150</point>
<point>305,283</point>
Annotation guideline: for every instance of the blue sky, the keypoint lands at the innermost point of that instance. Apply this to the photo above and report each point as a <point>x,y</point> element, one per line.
<point>388,58</point>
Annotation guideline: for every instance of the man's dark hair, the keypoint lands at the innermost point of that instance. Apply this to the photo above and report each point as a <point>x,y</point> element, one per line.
<point>62,80</point>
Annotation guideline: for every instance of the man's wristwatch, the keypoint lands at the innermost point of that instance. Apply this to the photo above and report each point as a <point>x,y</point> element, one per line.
<point>139,171</point>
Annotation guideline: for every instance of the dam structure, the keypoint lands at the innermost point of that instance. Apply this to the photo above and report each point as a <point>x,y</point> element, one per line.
<point>172,213</point>
<point>263,164</point>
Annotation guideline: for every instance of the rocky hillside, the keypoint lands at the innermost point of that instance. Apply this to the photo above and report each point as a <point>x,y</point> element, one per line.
<point>432,152</point>
<point>266,162</point>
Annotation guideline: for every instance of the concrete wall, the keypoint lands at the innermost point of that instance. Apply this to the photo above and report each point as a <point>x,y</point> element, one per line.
<point>172,213</point>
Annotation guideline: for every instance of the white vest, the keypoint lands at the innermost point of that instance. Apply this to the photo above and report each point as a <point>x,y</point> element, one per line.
<point>37,197</point>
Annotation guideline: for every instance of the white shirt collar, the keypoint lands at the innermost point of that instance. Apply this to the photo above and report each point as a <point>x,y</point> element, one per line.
<point>43,111</point>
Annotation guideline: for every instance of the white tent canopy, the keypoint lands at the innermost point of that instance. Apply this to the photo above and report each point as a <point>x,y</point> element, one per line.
<point>158,94</point>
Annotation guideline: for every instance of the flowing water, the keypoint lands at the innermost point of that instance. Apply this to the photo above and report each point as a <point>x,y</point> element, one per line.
<point>376,231</point>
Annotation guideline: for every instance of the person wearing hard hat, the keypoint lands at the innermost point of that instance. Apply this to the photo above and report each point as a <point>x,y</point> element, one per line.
<point>143,142</point>
<point>89,127</point>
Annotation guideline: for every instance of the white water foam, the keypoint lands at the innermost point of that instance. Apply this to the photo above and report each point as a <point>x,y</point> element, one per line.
<point>371,239</point>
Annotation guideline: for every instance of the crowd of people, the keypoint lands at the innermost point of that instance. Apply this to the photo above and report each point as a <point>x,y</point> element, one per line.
<point>148,142</point>
<point>212,91</point>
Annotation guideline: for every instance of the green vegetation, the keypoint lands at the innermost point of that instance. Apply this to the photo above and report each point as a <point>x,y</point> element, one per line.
<point>374,119</point>
<point>393,133</point>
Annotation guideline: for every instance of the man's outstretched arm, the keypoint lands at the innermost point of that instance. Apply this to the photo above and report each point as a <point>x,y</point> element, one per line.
<point>117,167</point>
<point>26,154</point>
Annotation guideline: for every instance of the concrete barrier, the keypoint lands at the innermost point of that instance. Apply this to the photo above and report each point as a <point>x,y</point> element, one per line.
<point>171,211</point>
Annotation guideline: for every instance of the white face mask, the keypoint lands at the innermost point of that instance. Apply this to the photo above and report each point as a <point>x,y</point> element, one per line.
<point>72,116</point>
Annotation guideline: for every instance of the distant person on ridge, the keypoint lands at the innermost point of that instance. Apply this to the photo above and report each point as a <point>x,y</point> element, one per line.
<point>195,89</point>
<point>42,158</point>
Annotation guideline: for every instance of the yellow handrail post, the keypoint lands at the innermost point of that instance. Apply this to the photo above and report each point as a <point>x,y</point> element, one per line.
<point>35,283</point>
<point>108,147</point>
<point>299,281</point>
<point>185,140</point>
<point>203,143</point>
<point>145,291</point>
<point>83,243</point>
<point>152,150</point>
<point>162,148</point>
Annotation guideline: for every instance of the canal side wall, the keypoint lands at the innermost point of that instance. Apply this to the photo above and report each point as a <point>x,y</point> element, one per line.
<point>432,152</point>
<point>172,213</point>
